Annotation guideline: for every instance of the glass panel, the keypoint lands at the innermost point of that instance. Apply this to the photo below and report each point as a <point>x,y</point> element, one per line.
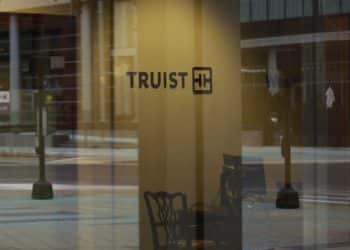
<point>259,10</point>
<point>295,133</point>
<point>60,127</point>
<point>162,124</point>
<point>103,102</point>
<point>276,9</point>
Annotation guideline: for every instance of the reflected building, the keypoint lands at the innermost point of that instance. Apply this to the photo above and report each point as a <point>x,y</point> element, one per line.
<point>33,45</point>
<point>83,63</point>
<point>295,84</point>
<point>305,42</point>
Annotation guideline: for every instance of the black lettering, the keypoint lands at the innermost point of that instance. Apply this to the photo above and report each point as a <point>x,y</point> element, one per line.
<point>156,80</point>
<point>159,80</point>
<point>165,79</point>
<point>132,75</point>
<point>183,76</point>
<point>173,80</point>
<point>143,77</point>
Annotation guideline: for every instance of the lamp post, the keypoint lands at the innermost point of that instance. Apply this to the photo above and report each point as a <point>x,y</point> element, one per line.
<point>42,189</point>
<point>287,196</point>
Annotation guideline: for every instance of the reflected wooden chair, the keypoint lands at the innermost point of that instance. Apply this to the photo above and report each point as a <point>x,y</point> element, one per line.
<point>167,213</point>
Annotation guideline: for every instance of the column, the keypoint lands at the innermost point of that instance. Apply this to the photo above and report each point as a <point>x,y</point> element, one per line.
<point>14,69</point>
<point>86,62</point>
<point>101,59</point>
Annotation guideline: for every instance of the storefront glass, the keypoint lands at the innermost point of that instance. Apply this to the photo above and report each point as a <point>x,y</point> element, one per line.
<point>237,110</point>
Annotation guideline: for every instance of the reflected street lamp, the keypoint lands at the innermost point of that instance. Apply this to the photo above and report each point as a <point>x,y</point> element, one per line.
<point>287,197</point>
<point>42,189</point>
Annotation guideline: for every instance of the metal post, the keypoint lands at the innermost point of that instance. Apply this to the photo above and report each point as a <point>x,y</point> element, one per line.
<point>287,197</point>
<point>287,156</point>
<point>42,189</point>
<point>41,137</point>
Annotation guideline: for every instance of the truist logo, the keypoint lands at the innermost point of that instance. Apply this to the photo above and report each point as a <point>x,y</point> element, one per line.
<point>202,80</point>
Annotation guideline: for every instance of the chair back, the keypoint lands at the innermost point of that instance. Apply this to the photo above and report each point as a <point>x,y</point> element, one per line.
<point>164,209</point>
<point>231,184</point>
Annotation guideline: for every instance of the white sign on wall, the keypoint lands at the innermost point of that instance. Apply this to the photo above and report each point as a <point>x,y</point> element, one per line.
<point>4,97</point>
<point>330,98</point>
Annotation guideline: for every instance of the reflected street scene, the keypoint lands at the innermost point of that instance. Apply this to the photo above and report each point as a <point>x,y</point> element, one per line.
<point>163,124</point>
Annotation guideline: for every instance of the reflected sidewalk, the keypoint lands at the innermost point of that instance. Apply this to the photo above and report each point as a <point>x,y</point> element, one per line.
<point>106,217</point>
<point>79,217</point>
<point>67,152</point>
<point>299,155</point>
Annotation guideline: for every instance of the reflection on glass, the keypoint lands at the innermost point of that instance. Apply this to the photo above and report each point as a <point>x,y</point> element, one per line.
<point>291,64</point>
<point>294,8</point>
<point>91,134</point>
<point>330,6</point>
<point>259,123</point>
<point>276,9</point>
<point>258,10</point>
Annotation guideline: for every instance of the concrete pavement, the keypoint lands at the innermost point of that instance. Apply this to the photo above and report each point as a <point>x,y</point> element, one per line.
<point>64,165</point>
<point>78,218</point>
<point>106,217</point>
<point>90,213</point>
<point>251,155</point>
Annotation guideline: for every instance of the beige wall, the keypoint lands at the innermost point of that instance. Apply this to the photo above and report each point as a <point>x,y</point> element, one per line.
<point>183,136</point>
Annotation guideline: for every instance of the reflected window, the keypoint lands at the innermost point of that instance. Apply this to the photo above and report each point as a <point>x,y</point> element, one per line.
<point>276,9</point>
<point>294,8</point>
<point>245,11</point>
<point>308,8</point>
<point>345,4</point>
<point>259,10</point>
<point>330,7</point>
